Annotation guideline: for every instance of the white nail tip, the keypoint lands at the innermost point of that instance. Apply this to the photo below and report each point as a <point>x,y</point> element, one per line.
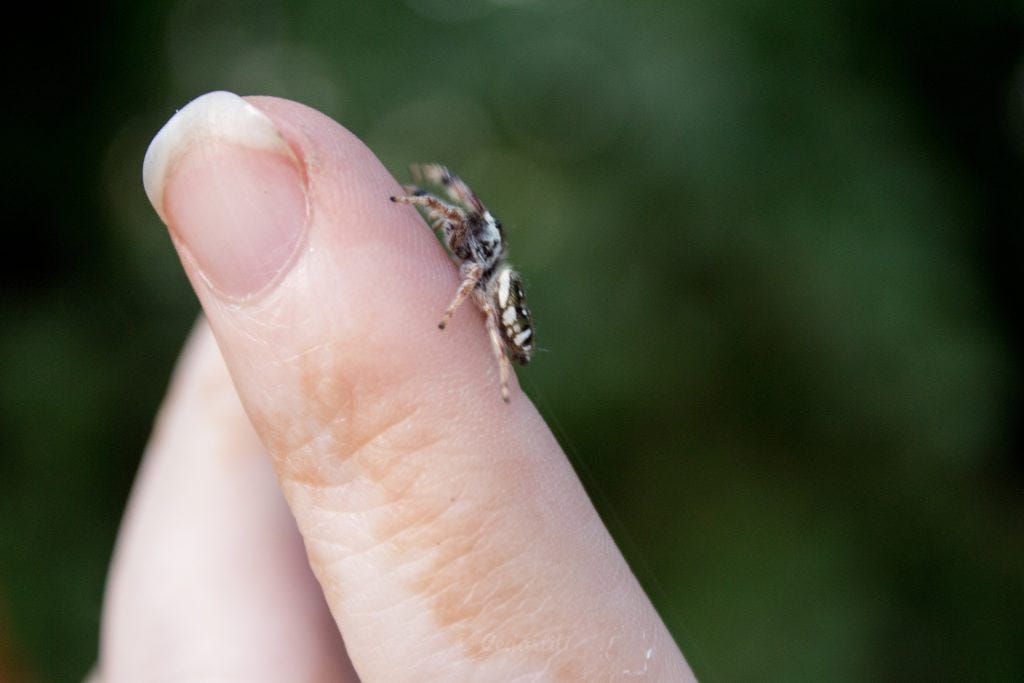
<point>217,115</point>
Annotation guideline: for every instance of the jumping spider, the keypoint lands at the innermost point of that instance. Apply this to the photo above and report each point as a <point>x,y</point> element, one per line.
<point>476,243</point>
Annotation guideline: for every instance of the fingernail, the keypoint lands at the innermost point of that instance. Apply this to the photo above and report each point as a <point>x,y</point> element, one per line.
<point>230,190</point>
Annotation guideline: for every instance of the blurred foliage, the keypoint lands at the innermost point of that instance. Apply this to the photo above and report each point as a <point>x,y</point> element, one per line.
<point>773,250</point>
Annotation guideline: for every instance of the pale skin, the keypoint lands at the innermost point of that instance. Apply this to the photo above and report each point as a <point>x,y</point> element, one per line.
<point>334,485</point>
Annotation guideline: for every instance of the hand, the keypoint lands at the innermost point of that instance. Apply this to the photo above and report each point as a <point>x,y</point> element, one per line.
<point>439,529</point>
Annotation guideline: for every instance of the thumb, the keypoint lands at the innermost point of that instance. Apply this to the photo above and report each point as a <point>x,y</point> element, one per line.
<point>447,530</point>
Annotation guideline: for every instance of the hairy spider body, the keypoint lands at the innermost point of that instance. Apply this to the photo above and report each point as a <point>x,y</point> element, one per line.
<point>476,242</point>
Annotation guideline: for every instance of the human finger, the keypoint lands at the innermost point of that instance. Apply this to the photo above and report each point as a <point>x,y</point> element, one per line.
<point>209,579</point>
<point>447,529</point>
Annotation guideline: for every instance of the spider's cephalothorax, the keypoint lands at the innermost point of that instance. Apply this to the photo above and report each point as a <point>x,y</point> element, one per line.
<point>477,244</point>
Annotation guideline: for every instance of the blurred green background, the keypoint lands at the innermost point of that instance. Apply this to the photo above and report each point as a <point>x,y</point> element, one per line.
<point>773,250</point>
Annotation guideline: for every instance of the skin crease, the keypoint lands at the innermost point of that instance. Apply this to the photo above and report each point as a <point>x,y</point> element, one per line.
<point>447,531</point>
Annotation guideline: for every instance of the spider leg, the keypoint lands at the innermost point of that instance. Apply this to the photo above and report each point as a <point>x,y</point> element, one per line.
<point>435,207</point>
<point>457,190</point>
<point>471,276</point>
<point>498,346</point>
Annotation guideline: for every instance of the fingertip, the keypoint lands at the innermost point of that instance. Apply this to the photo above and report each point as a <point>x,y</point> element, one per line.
<point>372,275</point>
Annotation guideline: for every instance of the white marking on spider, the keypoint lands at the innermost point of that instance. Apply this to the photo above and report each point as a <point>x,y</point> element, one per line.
<point>503,288</point>
<point>508,316</point>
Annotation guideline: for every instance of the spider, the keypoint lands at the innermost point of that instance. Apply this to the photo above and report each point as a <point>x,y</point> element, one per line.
<point>476,243</point>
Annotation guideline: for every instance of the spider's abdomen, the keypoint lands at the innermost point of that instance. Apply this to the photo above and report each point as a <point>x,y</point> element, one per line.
<point>514,321</point>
